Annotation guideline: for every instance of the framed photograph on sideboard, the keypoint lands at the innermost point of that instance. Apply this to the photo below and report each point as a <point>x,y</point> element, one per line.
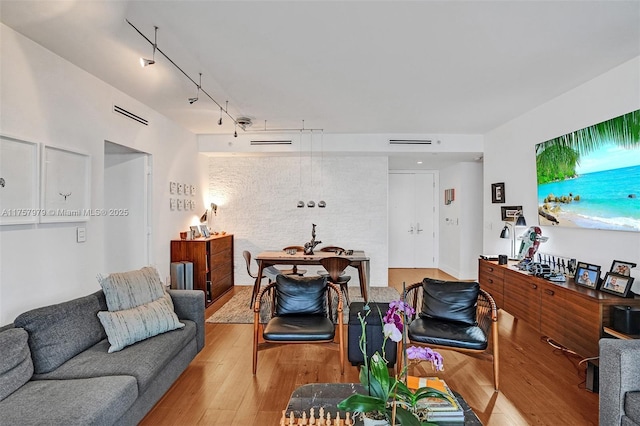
<point>617,284</point>
<point>587,275</point>
<point>621,267</point>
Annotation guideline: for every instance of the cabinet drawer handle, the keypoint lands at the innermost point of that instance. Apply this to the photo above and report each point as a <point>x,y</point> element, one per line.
<point>490,269</point>
<point>534,286</point>
<point>490,281</point>
<point>549,292</point>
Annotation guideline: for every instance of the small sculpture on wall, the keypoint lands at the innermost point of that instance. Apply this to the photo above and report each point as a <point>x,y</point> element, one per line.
<point>309,246</point>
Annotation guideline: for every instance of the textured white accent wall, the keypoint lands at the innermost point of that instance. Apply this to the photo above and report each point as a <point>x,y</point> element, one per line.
<point>257,199</point>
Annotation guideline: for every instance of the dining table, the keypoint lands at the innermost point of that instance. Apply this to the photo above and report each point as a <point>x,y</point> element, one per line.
<point>357,259</point>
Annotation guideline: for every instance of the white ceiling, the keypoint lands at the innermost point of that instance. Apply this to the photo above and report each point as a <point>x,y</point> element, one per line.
<point>342,66</point>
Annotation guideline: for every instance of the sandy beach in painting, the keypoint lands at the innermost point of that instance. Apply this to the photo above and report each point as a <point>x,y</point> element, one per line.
<point>578,221</point>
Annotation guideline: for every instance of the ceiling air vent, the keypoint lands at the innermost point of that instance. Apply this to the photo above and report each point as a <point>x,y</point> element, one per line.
<point>129,114</point>
<point>409,141</point>
<point>283,142</point>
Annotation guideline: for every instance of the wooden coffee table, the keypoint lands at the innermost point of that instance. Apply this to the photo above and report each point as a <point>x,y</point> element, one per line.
<point>328,395</point>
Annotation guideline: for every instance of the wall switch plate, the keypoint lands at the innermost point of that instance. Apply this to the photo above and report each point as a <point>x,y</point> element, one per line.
<point>81,235</point>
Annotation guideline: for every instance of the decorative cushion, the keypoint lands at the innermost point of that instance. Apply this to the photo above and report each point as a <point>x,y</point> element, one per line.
<point>60,332</point>
<point>450,300</point>
<point>301,295</point>
<point>126,290</point>
<point>16,366</point>
<point>129,326</point>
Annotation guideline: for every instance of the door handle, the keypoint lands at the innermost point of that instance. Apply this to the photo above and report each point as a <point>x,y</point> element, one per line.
<point>418,230</point>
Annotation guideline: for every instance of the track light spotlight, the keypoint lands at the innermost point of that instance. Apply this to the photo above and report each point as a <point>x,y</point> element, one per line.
<point>235,131</point>
<point>220,120</point>
<point>192,100</point>
<point>146,62</point>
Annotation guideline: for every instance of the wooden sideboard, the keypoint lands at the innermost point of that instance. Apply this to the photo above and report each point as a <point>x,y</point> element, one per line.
<point>212,260</point>
<point>569,314</point>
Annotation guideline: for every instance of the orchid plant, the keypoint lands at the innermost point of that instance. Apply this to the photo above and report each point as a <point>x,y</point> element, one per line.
<point>389,397</point>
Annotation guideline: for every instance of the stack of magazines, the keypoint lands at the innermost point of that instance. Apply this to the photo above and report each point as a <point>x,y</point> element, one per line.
<point>436,409</point>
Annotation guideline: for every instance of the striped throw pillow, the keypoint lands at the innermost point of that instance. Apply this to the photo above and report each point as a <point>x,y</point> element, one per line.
<point>128,326</point>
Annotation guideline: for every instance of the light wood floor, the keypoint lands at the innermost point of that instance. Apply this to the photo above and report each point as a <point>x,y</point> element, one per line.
<point>538,384</point>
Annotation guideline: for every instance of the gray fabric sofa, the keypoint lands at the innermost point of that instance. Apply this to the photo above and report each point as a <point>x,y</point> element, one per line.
<point>55,369</point>
<point>619,381</point>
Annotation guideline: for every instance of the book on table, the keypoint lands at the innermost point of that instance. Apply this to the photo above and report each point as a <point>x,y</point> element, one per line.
<point>437,409</point>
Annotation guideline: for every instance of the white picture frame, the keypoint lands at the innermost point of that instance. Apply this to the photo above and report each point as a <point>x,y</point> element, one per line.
<point>19,182</point>
<point>66,185</point>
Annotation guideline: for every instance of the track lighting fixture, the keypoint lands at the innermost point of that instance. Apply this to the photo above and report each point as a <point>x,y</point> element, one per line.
<point>235,132</point>
<point>146,62</point>
<point>192,100</point>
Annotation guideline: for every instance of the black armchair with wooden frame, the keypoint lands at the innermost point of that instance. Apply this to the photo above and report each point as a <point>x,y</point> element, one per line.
<point>298,310</point>
<point>458,316</point>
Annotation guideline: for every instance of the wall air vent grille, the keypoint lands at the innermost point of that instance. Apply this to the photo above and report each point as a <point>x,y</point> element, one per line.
<point>409,141</point>
<point>119,110</point>
<point>282,142</point>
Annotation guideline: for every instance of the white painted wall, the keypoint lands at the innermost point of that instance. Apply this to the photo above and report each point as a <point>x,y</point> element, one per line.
<point>509,157</point>
<point>125,188</point>
<point>257,199</point>
<point>461,221</point>
<point>48,100</point>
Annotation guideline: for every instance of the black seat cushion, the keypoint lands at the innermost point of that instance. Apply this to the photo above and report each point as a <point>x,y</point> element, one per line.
<point>450,300</point>
<point>434,331</point>
<point>299,328</point>
<point>301,295</point>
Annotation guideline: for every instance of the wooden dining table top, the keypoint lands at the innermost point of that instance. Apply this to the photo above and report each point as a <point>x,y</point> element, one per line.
<point>301,258</point>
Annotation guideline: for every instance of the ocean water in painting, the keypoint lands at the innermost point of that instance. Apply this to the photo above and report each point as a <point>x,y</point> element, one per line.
<point>609,199</point>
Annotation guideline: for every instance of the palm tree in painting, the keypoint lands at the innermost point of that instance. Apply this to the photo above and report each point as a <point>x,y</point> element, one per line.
<point>557,158</point>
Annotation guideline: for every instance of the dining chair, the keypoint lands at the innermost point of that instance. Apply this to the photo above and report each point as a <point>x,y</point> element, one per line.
<point>269,272</point>
<point>297,309</point>
<point>329,249</point>
<point>334,249</point>
<point>335,266</point>
<point>294,270</point>
<point>459,316</point>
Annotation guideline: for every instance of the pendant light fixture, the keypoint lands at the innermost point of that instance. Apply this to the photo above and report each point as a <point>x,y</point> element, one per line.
<point>146,62</point>
<point>300,203</point>
<point>192,100</point>
<point>322,204</point>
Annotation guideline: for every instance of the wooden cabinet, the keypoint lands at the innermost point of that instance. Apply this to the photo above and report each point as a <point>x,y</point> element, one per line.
<point>522,298</point>
<point>212,260</point>
<point>571,315</point>
<point>492,281</point>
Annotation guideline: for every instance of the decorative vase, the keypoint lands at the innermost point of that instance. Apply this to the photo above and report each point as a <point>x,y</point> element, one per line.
<point>374,422</point>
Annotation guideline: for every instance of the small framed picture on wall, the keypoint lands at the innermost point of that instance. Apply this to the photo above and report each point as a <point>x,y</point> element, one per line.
<point>497,193</point>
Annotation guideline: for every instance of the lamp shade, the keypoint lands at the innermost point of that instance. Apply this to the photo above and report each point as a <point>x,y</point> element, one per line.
<point>521,221</point>
<point>505,232</point>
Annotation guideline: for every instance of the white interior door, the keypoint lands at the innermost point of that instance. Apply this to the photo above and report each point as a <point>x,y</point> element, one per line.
<point>412,220</point>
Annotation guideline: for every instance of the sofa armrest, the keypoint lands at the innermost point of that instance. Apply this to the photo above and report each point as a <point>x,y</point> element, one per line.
<point>619,373</point>
<point>189,304</point>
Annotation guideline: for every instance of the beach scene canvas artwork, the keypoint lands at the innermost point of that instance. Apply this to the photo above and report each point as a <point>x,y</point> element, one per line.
<point>590,178</point>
